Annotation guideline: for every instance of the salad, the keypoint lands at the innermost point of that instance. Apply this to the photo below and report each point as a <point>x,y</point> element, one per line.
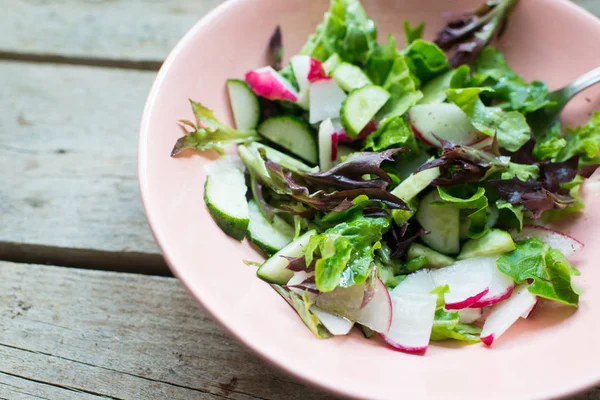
<point>398,187</point>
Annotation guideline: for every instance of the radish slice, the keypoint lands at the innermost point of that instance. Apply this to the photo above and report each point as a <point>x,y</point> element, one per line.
<point>504,314</point>
<point>445,121</point>
<point>419,282</point>
<point>326,145</point>
<point>334,324</point>
<point>469,315</point>
<point>268,83</point>
<point>346,303</point>
<point>527,313</point>
<point>377,314</point>
<point>411,322</point>
<point>555,239</point>
<point>341,301</point>
<point>306,70</point>
<point>326,98</point>
<point>467,280</point>
<point>500,285</point>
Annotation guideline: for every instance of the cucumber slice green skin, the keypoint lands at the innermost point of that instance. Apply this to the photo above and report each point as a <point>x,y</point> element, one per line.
<point>495,241</point>
<point>232,226</point>
<point>442,223</point>
<point>225,195</point>
<point>434,259</point>
<point>244,104</point>
<point>269,237</point>
<point>361,106</point>
<point>274,270</point>
<point>293,134</point>
<point>350,77</point>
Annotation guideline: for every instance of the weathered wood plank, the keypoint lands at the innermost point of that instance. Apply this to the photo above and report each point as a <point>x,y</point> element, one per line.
<point>121,336</point>
<point>106,29</point>
<point>68,145</point>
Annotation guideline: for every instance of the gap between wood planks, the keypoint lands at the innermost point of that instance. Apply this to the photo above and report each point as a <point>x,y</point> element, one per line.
<point>132,262</point>
<point>141,65</point>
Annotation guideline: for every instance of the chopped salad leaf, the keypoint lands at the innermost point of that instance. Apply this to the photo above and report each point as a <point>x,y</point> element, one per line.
<point>425,60</point>
<point>490,69</point>
<point>395,132</point>
<point>302,306</point>
<point>346,252</point>
<point>548,268</point>
<point>208,133</point>
<point>583,141</point>
<point>412,34</point>
<point>345,30</point>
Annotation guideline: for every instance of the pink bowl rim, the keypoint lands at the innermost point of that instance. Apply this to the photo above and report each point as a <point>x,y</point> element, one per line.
<point>569,390</point>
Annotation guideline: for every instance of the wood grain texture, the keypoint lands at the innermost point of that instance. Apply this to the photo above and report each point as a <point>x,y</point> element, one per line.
<point>121,336</point>
<point>107,29</point>
<point>68,145</point>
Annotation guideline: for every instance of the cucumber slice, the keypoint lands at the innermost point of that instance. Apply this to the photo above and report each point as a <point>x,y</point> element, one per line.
<point>360,107</point>
<point>332,63</point>
<point>292,134</point>
<point>274,270</point>
<point>281,158</point>
<point>350,77</point>
<point>244,104</point>
<point>225,195</point>
<point>415,184</point>
<point>441,222</point>
<point>434,259</point>
<point>270,237</point>
<point>496,241</point>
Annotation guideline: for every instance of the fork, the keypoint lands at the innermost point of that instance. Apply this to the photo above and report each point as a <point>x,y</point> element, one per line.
<point>541,120</point>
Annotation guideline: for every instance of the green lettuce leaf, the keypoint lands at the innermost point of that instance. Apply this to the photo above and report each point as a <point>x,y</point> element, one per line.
<point>381,60</point>
<point>346,30</point>
<point>412,34</point>
<point>510,216</point>
<point>425,60</point>
<point>208,133</point>
<point>583,141</point>
<point>522,171</point>
<point>346,252</point>
<point>446,324</point>
<point>435,90</point>
<point>393,133</point>
<point>473,205</point>
<point>400,85</point>
<point>510,127</point>
<point>302,306</point>
<point>550,145</point>
<point>548,268</point>
<point>491,69</point>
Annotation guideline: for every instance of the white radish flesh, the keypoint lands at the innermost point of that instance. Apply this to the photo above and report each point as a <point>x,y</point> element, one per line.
<point>326,145</point>
<point>467,281</point>
<point>412,321</point>
<point>334,324</point>
<point>377,313</point>
<point>469,315</point>
<point>419,282</point>
<point>500,285</point>
<point>326,98</point>
<point>503,315</point>
<point>555,239</point>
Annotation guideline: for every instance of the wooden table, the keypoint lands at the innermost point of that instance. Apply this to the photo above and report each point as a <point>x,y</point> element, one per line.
<point>88,308</point>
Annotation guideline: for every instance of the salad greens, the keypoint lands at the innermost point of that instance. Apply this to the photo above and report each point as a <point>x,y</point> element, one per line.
<point>398,188</point>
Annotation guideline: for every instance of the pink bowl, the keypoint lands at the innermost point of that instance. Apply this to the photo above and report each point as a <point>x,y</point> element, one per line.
<point>555,353</point>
